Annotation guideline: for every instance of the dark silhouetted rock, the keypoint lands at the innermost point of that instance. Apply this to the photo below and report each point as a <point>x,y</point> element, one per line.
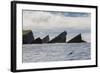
<point>27,37</point>
<point>45,39</point>
<point>61,38</point>
<point>76,39</point>
<point>37,41</point>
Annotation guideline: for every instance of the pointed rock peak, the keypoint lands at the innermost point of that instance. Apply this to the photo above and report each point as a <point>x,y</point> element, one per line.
<point>61,38</point>
<point>45,39</point>
<point>37,41</point>
<point>79,35</point>
<point>76,39</point>
<point>38,38</point>
<point>63,33</point>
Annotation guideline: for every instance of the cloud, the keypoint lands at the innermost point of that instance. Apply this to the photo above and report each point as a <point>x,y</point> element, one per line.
<point>48,20</point>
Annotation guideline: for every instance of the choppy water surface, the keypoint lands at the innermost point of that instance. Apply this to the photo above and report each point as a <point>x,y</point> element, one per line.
<point>55,52</point>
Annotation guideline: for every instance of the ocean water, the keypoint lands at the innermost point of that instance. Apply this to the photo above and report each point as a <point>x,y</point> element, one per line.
<point>55,52</point>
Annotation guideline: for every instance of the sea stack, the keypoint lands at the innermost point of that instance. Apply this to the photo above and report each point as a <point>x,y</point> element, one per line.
<point>61,38</point>
<point>76,39</point>
<point>27,37</point>
<point>45,39</point>
<point>37,41</point>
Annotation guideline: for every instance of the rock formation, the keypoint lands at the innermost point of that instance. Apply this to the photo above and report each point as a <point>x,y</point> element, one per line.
<point>61,38</point>
<point>27,37</point>
<point>76,39</point>
<point>37,41</point>
<point>45,39</point>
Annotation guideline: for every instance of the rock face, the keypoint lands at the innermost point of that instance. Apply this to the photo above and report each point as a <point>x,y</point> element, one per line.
<point>37,41</point>
<point>61,38</point>
<point>45,39</point>
<point>27,37</point>
<point>76,39</point>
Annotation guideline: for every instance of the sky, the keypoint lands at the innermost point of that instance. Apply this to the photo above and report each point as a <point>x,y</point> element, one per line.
<point>52,23</point>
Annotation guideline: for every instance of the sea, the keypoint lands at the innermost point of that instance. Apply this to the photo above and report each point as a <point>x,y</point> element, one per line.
<point>55,52</point>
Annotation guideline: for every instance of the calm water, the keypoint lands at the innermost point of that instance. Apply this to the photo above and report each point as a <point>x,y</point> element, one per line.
<point>56,52</point>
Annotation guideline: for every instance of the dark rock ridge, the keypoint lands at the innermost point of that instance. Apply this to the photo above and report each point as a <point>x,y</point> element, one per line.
<point>45,39</point>
<point>61,38</point>
<point>76,39</point>
<point>37,41</point>
<point>27,37</point>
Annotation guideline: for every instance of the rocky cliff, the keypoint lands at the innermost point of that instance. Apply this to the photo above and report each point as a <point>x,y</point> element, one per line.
<point>27,37</point>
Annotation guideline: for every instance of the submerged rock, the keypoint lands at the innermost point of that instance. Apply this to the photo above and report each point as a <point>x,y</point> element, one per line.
<point>61,38</point>
<point>76,39</point>
<point>45,39</point>
<point>27,37</point>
